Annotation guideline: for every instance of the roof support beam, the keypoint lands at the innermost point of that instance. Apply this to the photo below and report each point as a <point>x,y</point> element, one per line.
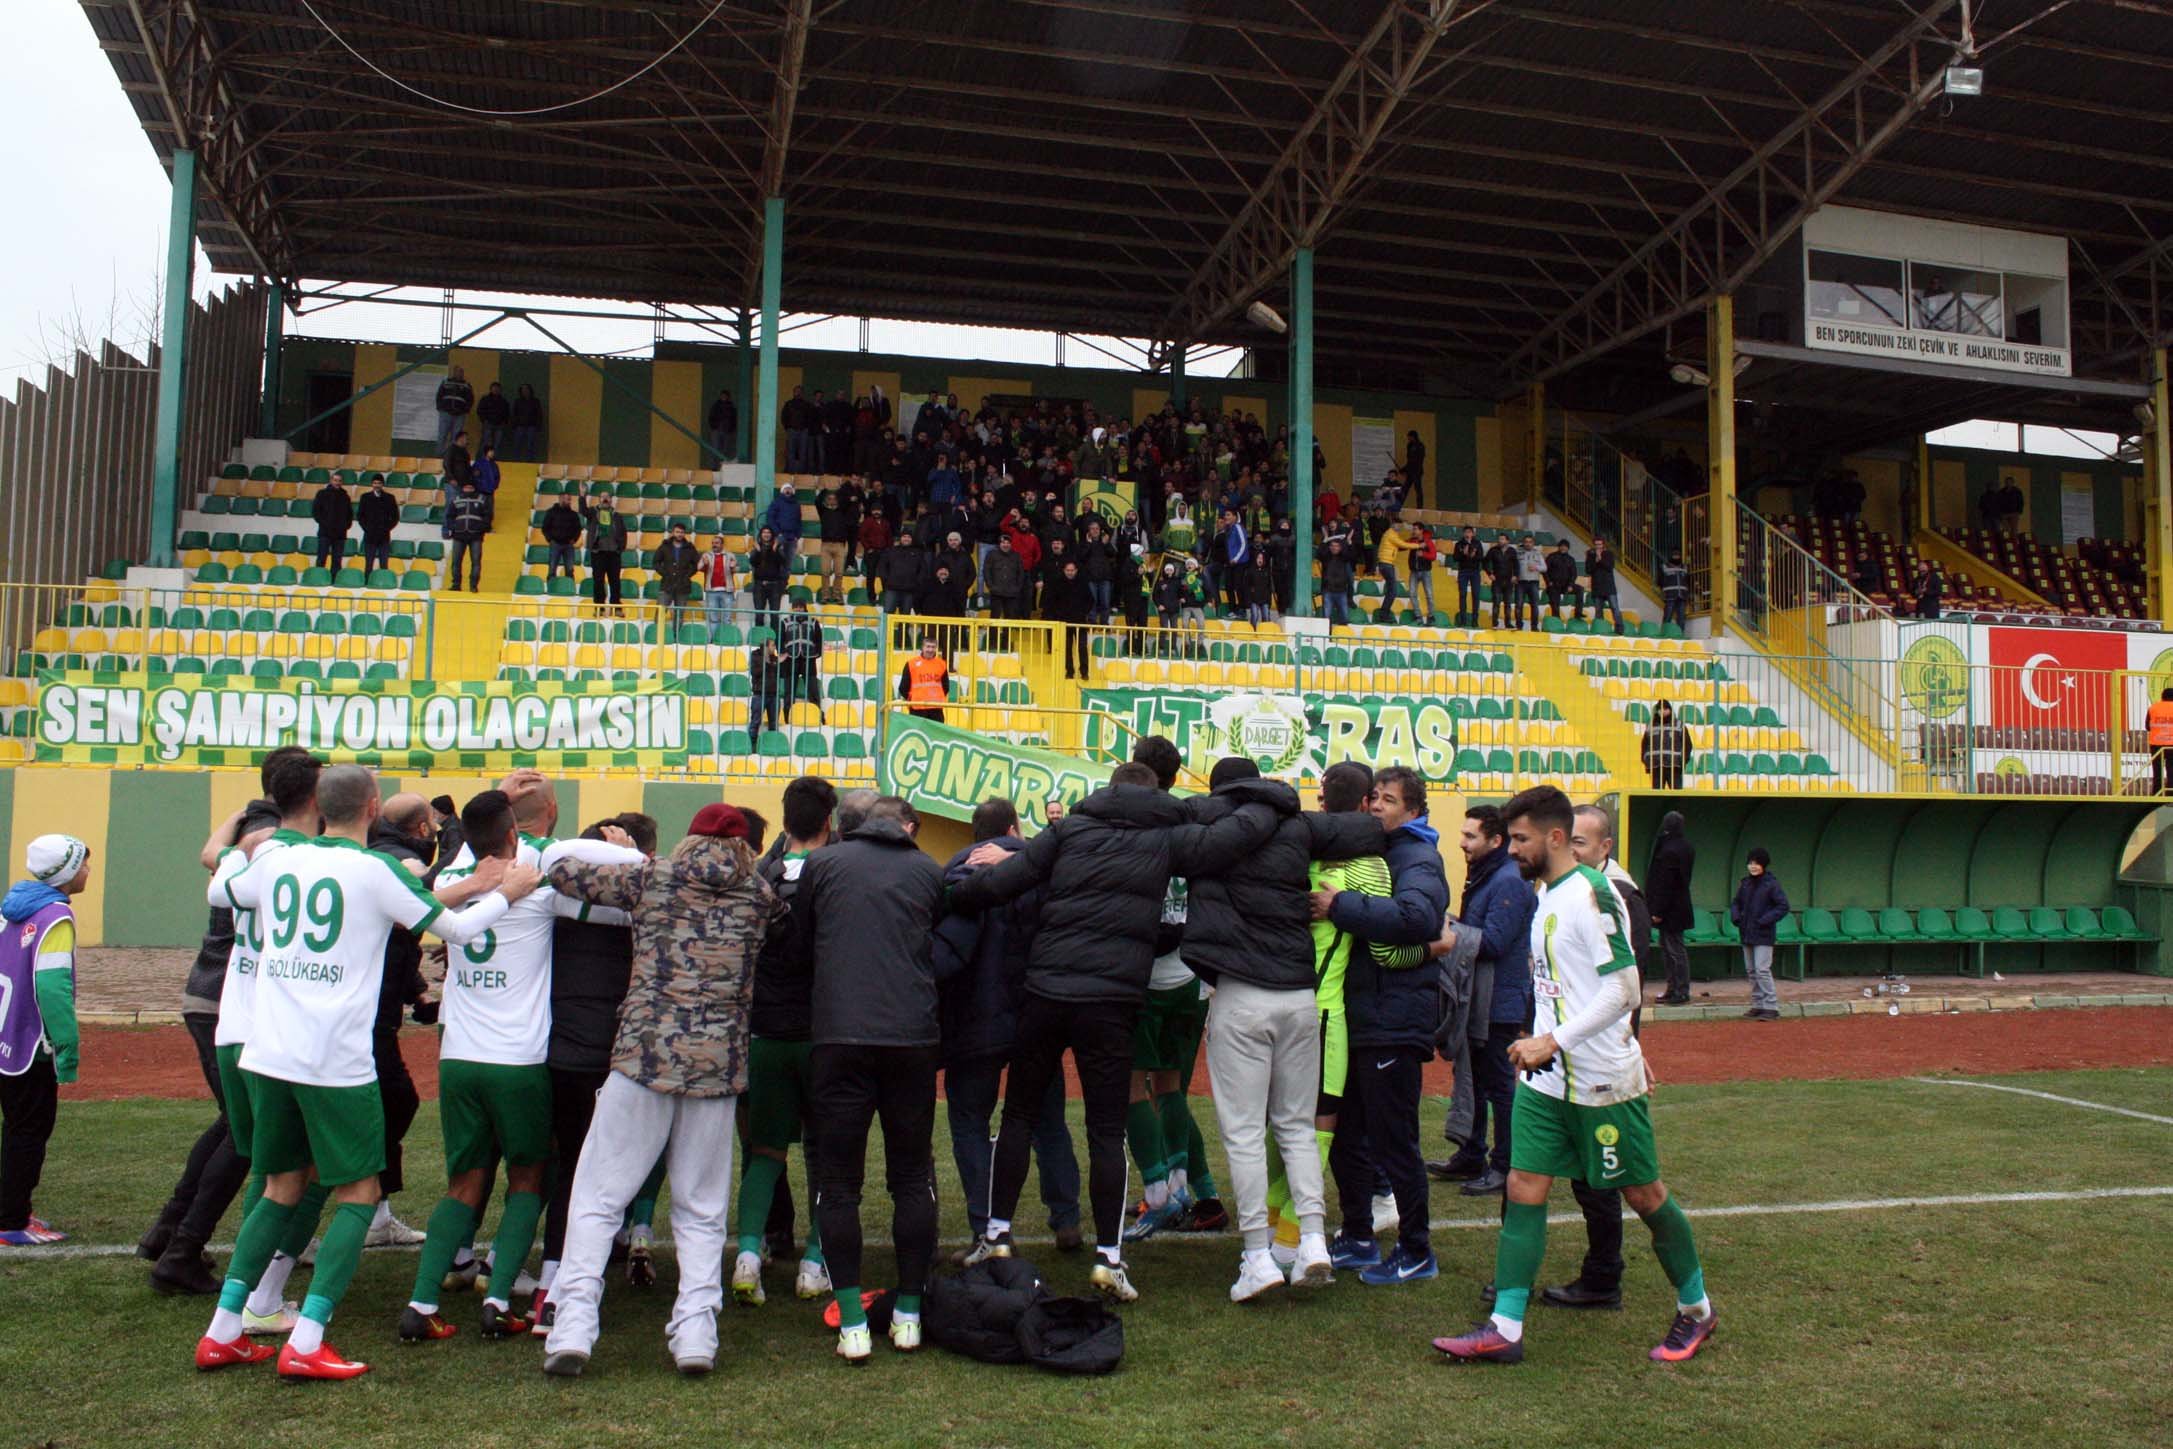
<point>1299,198</point>
<point>791,59</point>
<point>1712,246</point>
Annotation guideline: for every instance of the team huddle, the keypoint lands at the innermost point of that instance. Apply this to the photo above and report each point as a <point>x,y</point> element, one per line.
<point>814,993</point>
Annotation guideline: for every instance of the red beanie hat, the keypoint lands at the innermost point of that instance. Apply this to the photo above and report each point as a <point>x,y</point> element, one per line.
<point>723,821</point>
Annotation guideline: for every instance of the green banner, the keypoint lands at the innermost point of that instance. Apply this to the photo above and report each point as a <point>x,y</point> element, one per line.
<point>1375,730</point>
<point>948,771</point>
<point>116,718</point>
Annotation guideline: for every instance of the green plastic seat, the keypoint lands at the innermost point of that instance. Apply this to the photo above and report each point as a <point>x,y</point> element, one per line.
<point>734,742</point>
<point>1704,929</point>
<point>528,584</point>
<point>2082,923</point>
<point>1819,926</point>
<point>774,746</point>
<point>1790,931</point>
<point>2008,923</point>
<point>849,745</point>
<point>1934,924</point>
<point>1972,924</point>
<point>2121,925</point>
<point>1858,925</point>
<point>281,576</point>
<point>1894,925</point>
<point>2047,924</point>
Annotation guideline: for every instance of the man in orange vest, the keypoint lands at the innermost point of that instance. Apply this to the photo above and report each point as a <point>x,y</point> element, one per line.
<point>2160,724</point>
<point>926,681</point>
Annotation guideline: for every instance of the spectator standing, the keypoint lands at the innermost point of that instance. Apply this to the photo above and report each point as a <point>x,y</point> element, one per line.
<point>561,531</point>
<point>764,666</point>
<point>494,413</point>
<point>379,513</point>
<point>455,398</point>
<point>1502,562</point>
<point>1531,570</point>
<point>720,585</point>
<point>1562,581</point>
<point>1394,547</point>
<point>1599,568</point>
<point>1929,587</point>
<point>37,966</point>
<point>907,573</point>
<point>1675,592</point>
<point>783,518</point>
<point>1759,907</point>
<point>835,529</point>
<point>1392,1010</point>
<point>467,522</point>
<point>1282,551</point>
<point>1414,468</point>
<point>675,562</point>
<point>334,513</point>
<point>770,569</point>
<point>1064,600</point>
<point>1337,577</point>
<point>797,418</point>
<point>1469,557</point>
<point>1665,750</point>
<point>874,541</point>
<point>724,426</point>
<point>1098,570</point>
<point>1257,589</point>
<point>485,469</point>
<point>1667,891</point>
<point>1003,576</point>
<point>607,544</point>
<point>1424,553</point>
<point>1498,904</point>
<point>799,647</point>
<point>526,443</point>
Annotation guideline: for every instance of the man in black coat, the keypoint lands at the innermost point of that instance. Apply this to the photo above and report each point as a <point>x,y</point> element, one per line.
<point>1667,889</point>
<point>862,923</point>
<point>334,512</point>
<point>1105,868</point>
<point>980,978</point>
<point>379,513</point>
<point>1249,935</point>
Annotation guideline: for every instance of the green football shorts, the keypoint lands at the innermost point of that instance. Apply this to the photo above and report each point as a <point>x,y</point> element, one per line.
<point>779,1079</point>
<point>488,1109</point>
<point>241,1117</point>
<point>1605,1147</point>
<point>1166,1036</point>
<point>340,1129</point>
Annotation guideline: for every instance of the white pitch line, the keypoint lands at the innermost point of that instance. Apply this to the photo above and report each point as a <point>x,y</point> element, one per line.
<point>2043,1096</point>
<point>1740,1210</point>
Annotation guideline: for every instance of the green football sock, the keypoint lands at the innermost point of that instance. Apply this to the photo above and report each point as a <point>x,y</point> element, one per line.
<point>509,1246</point>
<point>643,1211</point>
<point>812,1253</point>
<point>252,1193</point>
<point>452,1222</point>
<point>303,1225</point>
<point>337,1258</point>
<point>1196,1168</point>
<point>1143,1129</point>
<point>253,1248</point>
<point>1677,1250</point>
<point>1516,1261</point>
<point>757,1186</point>
<point>1278,1185</point>
<point>909,1303</point>
<point>851,1312</point>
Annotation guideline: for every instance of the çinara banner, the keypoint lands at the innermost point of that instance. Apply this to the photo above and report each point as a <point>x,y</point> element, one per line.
<point>110,718</point>
<point>948,771</point>
<point>1287,735</point>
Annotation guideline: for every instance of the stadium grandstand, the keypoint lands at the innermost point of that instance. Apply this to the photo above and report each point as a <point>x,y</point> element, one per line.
<point>1699,284</point>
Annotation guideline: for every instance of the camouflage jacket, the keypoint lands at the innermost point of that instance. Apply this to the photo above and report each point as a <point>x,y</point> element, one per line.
<point>699,918</point>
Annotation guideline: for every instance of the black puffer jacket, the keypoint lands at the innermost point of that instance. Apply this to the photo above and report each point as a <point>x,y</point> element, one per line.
<point>1252,921</point>
<point>783,1007</point>
<point>863,914</point>
<point>981,968</point>
<point>1106,867</point>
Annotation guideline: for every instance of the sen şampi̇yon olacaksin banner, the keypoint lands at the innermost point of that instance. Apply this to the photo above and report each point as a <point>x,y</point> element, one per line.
<point>137,718</point>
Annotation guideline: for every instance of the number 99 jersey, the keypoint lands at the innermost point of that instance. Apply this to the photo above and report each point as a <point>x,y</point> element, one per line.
<point>324,911</point>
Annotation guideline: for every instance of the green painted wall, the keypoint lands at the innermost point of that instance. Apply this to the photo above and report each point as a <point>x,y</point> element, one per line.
<point>155,888</point>
<point>2111,482</point>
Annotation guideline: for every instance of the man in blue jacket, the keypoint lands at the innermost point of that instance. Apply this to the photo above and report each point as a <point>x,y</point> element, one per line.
<point>1759,907</point>
<point>980,966</point>
<point>783,518</point>
<point>1392,1012</point>
<point>1499,901</point>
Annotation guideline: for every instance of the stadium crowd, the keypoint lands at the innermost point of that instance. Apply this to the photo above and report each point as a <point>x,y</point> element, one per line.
<point>613,1017</point>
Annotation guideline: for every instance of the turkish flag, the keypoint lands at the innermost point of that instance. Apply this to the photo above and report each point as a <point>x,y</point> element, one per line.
<point>2054,678</point>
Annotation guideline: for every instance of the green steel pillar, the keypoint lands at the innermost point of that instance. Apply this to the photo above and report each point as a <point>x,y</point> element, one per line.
<point>773,268</point>
<point>275,321</point>
<point>173,360</point>
<point>1177,375</point>
<point>1301,425</point>
<point>746,393</point>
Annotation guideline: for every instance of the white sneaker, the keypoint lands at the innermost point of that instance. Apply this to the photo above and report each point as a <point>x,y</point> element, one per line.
<point>747,1280</point>
<point>813,1280</point>
<point>905,1333</point>
<point>1312,1269</point>
<point>387,1231</point>
<point>1112,1282</point>
<point>1256,1275</point>
<point>1385,1216</point>
<point>855,1345</point>
<point>264,1324</point>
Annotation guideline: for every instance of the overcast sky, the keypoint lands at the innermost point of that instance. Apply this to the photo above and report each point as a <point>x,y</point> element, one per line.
<point>95,243</point>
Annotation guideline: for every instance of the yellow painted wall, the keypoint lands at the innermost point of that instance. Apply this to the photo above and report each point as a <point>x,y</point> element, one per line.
<point>577,408</point>
<point>1332,430</point>
<point>1257,406</point>
<point>1951,503</point>
<point>2019,476</point>
<point>1423,425</point>
<point>1148,401</point>
<point>973,391</point>
<point>675,388</point>
<point>478,364</point>
<point>1881,478</point>
<point>1487,442</point>
<point>50,800</point>
<point>370,427</point>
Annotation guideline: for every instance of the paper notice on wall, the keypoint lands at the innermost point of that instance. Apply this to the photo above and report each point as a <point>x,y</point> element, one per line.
<point>415,403</point>
<point>1373,451</point>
